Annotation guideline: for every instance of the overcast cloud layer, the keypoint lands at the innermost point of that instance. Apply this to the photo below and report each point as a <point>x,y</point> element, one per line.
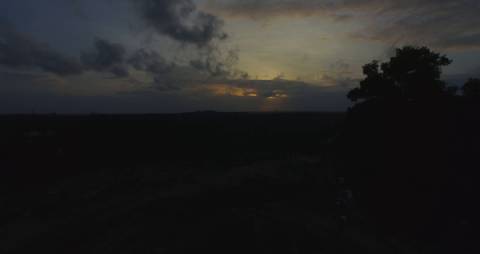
<point>442,23</point>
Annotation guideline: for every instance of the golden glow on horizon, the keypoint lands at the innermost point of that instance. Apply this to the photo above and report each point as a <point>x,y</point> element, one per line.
<point>278,94</point>
<point>230,90</point>
<point>226,90</point>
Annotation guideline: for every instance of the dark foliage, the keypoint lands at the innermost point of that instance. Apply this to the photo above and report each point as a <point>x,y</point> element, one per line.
<point>408,151</point>
<point>471,89</point>
<point>412,74</point>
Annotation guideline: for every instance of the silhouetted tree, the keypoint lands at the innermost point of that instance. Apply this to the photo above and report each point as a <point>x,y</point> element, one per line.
<point>407,149</point>
<point>412,74</point>
<point>471,89</point>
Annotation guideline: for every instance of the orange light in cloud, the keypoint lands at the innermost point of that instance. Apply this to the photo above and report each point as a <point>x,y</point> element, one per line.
<point>226,90</point>
<point>278,94</point>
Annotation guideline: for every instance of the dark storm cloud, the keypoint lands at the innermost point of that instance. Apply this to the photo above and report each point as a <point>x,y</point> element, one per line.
<point>163,73</point>
<point>181,20</point>
<point>211,64</point>
<point>150,61</point>
<point>449,24</point>
<point>106,57</point>
<point>216,64</point>
<point>18,51</point>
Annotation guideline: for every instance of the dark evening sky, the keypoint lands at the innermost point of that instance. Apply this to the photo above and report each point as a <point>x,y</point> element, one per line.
<point>157,56</point>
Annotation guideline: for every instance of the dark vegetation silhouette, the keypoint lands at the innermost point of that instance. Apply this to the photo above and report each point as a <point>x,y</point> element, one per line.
<point>397,173</point>
<point>471,89</point>
<point>412,75</point>
<point>408,151</point>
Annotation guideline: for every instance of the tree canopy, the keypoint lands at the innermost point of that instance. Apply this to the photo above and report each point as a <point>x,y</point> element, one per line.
<point>471,89</point>
<point>412,74</point>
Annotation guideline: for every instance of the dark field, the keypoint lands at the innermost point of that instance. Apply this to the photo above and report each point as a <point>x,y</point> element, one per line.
<point>219,182</point>
<point>388,178</point>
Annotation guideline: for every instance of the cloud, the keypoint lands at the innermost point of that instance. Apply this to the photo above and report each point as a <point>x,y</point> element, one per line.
<point>277,8</point>
<point>465,41</point>
<point>210,65</point>
<point>447,24</point>
<point>279,94</point>
<point>177,19</point>
<point>181,21</point>
<point>164,75</point>
<point>150,61</point>
<point>18,51</point>
<point>106,57</point>
<point>444,24</point>
<point>204,77</point>
<point>217,63</point>
<point>37,93</point>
